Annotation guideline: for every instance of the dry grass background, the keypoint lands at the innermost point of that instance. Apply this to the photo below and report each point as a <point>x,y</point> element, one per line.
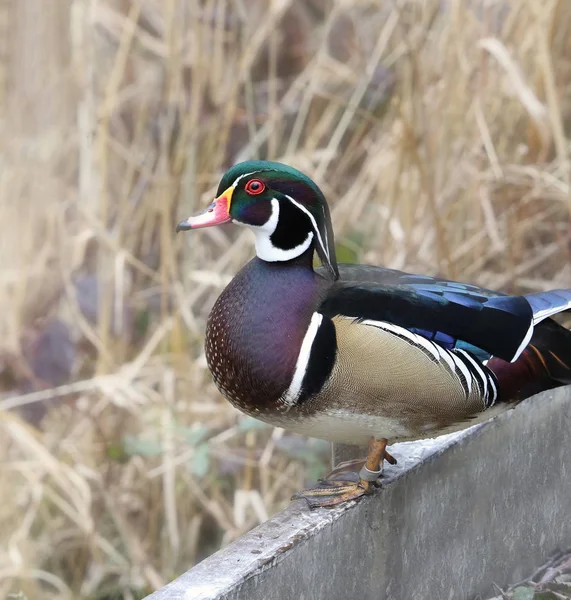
<point>439,132</point>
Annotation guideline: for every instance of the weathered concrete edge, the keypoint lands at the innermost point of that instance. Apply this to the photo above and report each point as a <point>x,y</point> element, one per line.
<point>268,544</point>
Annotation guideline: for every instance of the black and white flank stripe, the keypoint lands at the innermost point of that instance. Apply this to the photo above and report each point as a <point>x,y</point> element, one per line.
<point>316,360</point>
<point>471,373</point>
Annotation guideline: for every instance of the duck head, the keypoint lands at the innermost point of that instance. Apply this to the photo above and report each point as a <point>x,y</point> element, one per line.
<point>284,208</point>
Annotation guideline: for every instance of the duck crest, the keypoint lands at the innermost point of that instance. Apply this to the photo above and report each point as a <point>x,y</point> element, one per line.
<point>255,331</point>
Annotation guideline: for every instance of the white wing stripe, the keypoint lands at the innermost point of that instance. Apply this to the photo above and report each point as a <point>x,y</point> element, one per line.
<point>495,392</point>
<point>415,339</point>
<point>473,372</point>
<point>478,370</point>
<point>445,355</point>
<point>524,343</point>
<point>464,370</point>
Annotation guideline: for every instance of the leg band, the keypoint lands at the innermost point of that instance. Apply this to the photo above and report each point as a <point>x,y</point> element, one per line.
<point>368,475</point>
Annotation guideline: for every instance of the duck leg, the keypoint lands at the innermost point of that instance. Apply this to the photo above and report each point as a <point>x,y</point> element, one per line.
<point>342,485</point>
<point>355,464</point>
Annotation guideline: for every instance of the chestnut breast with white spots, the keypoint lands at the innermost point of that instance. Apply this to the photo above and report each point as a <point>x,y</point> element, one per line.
<point>255,331</point>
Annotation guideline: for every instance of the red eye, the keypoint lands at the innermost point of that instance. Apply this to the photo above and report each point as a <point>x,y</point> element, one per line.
<point>255,187</point>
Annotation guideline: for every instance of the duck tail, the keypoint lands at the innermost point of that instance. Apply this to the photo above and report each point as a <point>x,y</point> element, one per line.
<point>551,343</point>
<point>547,304</point>
<point>551,347</point>
<point>544,364</point>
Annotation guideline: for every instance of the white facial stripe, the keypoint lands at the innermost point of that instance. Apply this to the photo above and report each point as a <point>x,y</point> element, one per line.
<point>313,223</point>
<point>264,247</point>
<point>325,231</point>
<point>302,363</point>
<point>270,225</point>
<point>237,180</point>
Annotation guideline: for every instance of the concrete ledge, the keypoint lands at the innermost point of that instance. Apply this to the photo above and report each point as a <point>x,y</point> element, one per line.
<point>489,504</point>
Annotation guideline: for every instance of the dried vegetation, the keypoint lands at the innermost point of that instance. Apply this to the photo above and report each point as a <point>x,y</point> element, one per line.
<point>439,131</point>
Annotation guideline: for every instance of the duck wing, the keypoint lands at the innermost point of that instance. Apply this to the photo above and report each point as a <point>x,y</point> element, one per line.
<point>453,314</point>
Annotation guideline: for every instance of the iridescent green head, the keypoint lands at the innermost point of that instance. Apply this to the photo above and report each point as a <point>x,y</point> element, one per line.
<point>284,208</point>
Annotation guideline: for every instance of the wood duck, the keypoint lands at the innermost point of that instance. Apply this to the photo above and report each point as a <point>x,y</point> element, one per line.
<point>357,353</point>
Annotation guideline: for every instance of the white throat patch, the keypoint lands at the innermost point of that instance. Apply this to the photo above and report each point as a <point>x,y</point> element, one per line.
<point>264,247</point>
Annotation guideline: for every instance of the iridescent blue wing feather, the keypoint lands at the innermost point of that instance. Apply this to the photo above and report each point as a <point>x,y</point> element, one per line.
<point>456,315</point>
<point>497,325</point>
